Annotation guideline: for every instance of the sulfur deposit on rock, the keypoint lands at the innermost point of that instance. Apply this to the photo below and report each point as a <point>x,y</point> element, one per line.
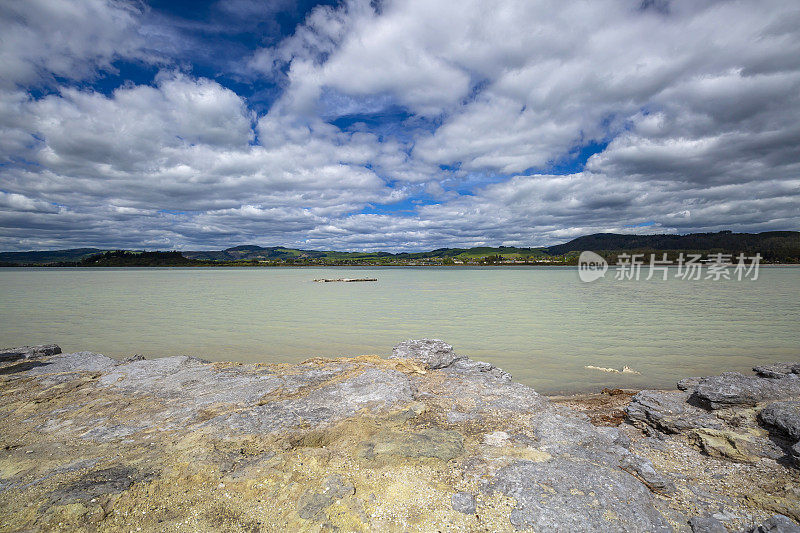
<point>426,440</point>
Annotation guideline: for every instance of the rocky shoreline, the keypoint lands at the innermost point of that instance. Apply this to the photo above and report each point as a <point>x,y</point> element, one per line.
<point>425,440</point>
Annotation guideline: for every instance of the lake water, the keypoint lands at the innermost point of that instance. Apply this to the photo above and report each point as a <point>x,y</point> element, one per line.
<point>541,324</point>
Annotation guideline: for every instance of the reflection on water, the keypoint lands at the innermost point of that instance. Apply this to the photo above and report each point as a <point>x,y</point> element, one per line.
<point>541,324</point>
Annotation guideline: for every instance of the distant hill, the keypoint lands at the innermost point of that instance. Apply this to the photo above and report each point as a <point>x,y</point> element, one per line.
<point>774,246</point>
<point>123,258</point>
<point>252,253</point>
<point>278,253</point>
<point>50,256</point>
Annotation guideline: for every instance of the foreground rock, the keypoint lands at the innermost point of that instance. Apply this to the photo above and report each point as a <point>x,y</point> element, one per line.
<point>731,416</point>
<point>735,418</point>
<point>425,440</point>
<point>734,389</point>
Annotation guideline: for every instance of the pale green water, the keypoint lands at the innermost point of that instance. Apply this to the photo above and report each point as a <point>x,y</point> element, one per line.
<point>541,324</point>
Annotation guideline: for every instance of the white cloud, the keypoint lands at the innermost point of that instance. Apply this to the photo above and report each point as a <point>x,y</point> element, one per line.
<point>698,102</point>
<point>40,39</point>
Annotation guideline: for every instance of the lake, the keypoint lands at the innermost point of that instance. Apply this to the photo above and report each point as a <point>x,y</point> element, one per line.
<point>541,324</point>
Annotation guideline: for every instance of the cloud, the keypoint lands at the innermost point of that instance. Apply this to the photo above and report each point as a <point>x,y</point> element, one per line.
<point>40,40</point>
<point>411,125</point>
<point>178,160</point>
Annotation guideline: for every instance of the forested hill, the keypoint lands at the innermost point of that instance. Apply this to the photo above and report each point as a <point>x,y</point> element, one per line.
<point>48,256</point>
<point>772,245</point>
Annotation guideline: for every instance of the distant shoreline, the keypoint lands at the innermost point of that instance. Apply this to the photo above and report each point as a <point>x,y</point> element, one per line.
<point>214,266</point>
<point>776,247</point>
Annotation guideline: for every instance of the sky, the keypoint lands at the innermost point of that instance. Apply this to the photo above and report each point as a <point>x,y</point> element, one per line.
<point>394,125</point>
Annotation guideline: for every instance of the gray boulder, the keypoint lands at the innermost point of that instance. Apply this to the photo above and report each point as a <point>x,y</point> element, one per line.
<point>463,502</point>
<point>434,353</point>
<point>487,369</point>
<point>373,390</point>
<point>785,416</point>
<point>644,470</point>
<point>689,384</point>
<point>794,453</point>
<point>706,524</point>
<point>29,352</point>
<point>776,524</point>
<point>734,389</point>
<point>668,412</point>
<point>576,495</point>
